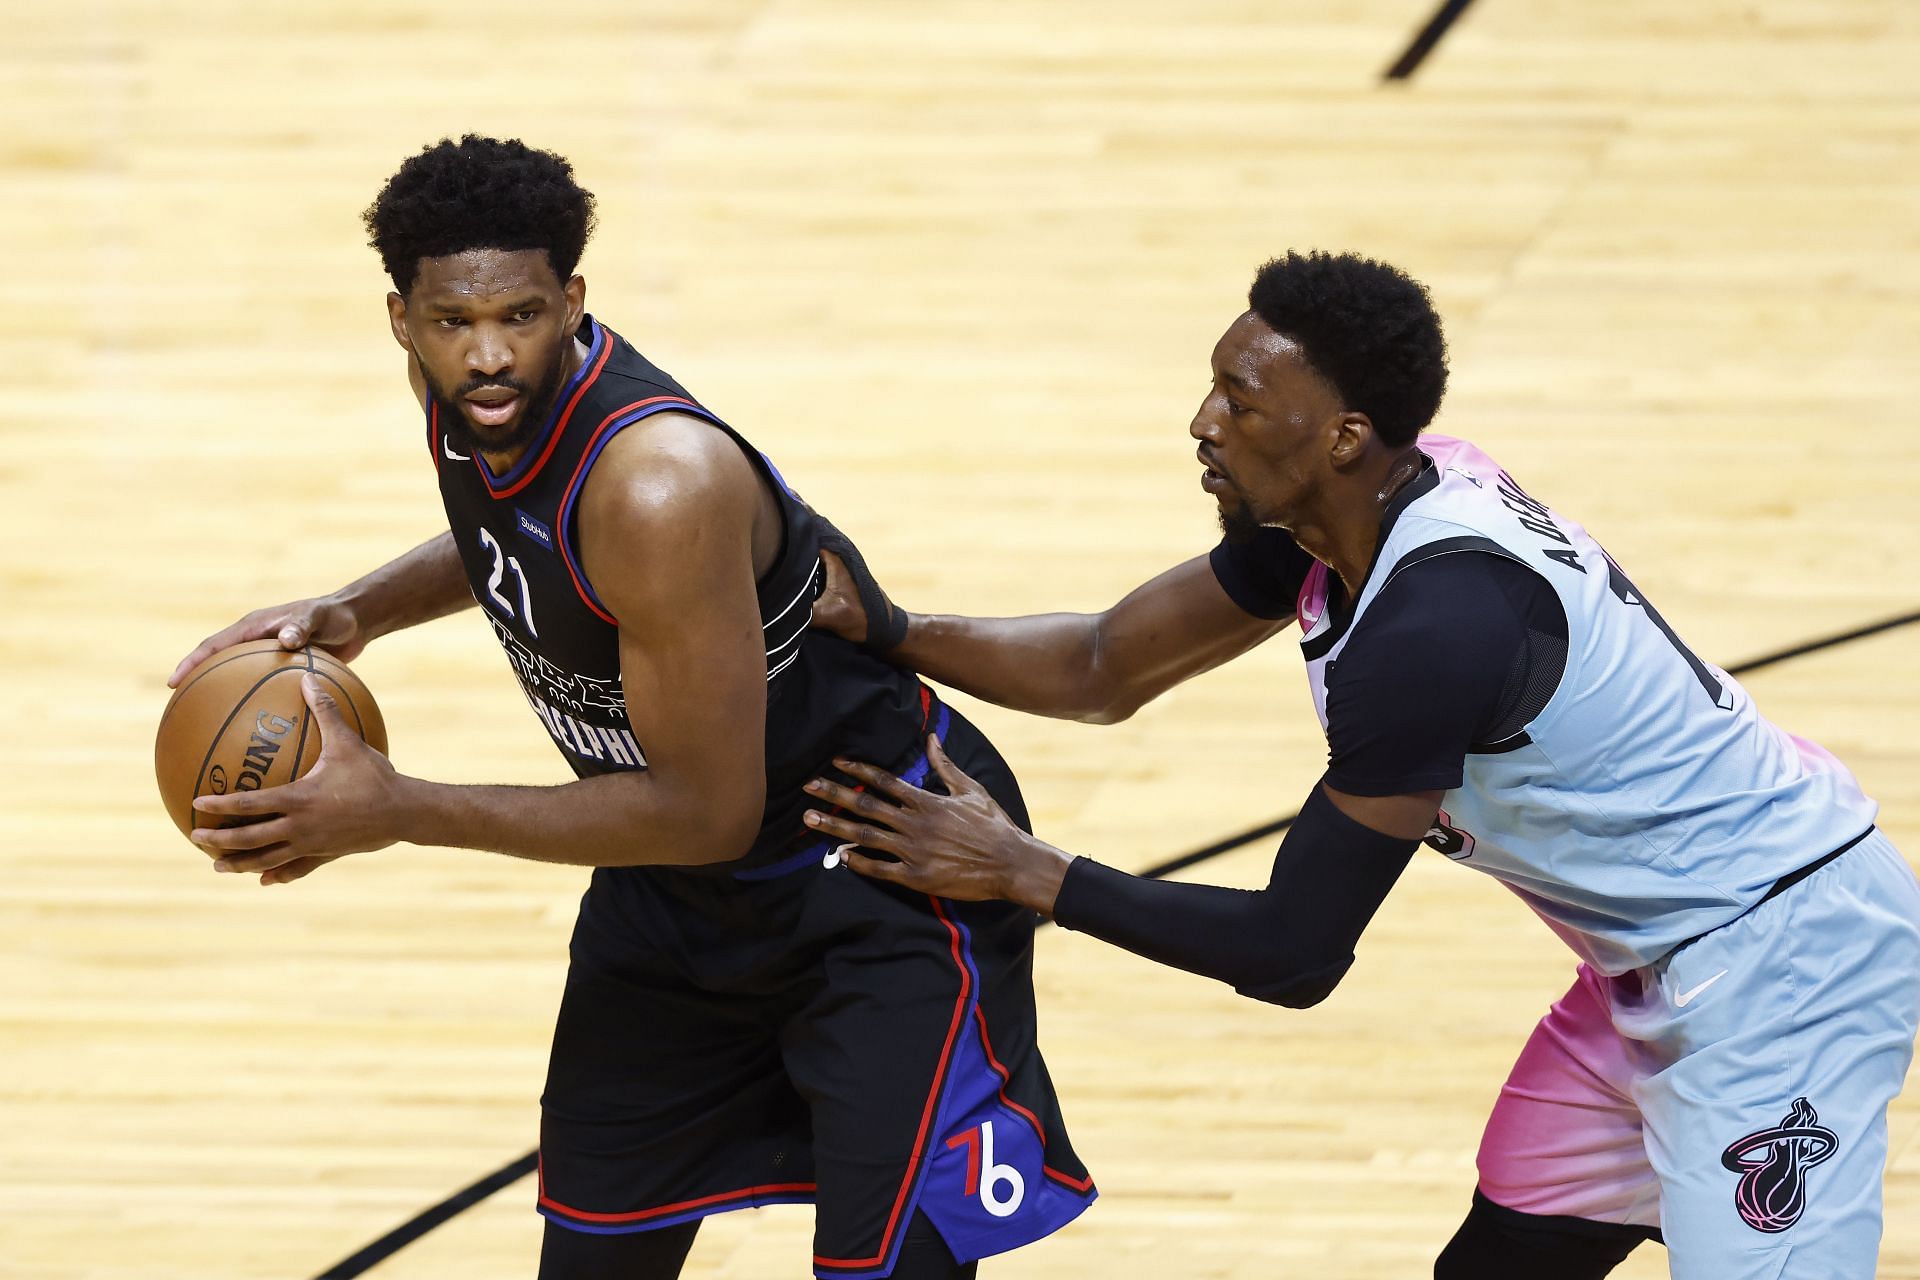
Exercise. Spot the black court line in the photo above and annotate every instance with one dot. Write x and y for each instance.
(405, 1234)
(1444, 17)
(1162, 869)
(1815, 646)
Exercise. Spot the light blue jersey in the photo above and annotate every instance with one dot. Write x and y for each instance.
(1649, 801)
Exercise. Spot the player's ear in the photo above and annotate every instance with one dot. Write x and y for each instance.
(576, 291)
(1352, 433)
(397, 319)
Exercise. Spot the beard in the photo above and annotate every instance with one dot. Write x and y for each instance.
(535, 404)
(1238, 523)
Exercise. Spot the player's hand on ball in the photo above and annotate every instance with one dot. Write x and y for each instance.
(346, 804)
(323, 623)
(960, 845)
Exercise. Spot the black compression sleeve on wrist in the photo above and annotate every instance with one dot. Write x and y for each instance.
(886, 625)
(1289, 943)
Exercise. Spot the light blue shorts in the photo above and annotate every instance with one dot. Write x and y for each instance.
(1733, 1095)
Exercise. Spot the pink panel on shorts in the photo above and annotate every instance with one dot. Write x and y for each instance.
(1565, 1138)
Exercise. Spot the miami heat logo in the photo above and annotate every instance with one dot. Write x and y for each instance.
(1773, 1165)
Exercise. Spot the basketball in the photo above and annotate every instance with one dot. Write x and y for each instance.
(238, 722)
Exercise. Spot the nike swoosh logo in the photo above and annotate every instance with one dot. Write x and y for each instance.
(1686, 998)
(451, 455)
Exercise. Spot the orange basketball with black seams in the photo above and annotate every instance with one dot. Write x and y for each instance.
(238, 722)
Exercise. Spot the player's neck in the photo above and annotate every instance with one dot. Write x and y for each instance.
(1344, 545)
(1343, 531)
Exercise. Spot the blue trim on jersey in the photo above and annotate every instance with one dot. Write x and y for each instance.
(537, 448)
(916, 776)
(813, 853)
(775, 473)
(585, 469)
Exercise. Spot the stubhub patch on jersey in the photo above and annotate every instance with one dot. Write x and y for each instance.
(533, 528)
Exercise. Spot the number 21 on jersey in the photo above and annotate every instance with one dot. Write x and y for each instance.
(502, 562)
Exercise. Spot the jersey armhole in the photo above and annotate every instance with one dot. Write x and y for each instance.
(611, 426)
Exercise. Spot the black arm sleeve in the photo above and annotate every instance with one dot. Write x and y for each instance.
(1289, 943)
(1454, 655)
(1263, 575)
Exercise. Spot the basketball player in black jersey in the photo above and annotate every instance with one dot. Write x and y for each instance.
(740, 1026)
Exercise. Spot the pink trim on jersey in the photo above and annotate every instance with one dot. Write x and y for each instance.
(1446, 451)
(1312, 603)
(1815, 757)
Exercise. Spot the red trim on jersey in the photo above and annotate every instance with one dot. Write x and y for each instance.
(548, 1202)
(553, 437)
(1006, 1078)
(933, 1099)
(1081, 1185)
(587, 455)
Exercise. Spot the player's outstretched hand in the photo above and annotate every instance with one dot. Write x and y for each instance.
(960, 845)
(324, 623)
(347, 804)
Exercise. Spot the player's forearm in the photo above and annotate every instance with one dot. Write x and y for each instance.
(1046, 664)
(1288, 944)
(427, 582)
(620, 820)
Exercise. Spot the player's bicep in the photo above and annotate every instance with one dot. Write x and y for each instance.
(1408, 817)
(1421, 678)
(694, 675)
(669, 552)
(1174, 627)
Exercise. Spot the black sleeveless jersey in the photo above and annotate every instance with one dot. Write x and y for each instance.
(519, 540)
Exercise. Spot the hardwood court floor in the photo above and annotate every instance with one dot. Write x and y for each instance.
(957, 265)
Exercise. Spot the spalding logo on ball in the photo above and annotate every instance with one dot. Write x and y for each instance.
(238, 722)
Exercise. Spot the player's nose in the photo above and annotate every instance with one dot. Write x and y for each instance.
(489, 353)
(1205, 426)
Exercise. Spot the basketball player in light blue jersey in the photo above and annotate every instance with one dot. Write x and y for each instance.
(1492, 683)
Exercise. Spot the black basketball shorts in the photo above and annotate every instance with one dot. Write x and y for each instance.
(801, 1033)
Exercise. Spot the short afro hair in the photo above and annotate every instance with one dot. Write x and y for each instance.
(479, 193)
(1367, 328)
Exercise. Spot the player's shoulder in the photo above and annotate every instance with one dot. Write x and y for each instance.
(1459, 610)
(670, 468)
(1453, 617)
(1454, 453)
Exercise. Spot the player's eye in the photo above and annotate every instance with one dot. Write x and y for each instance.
(522, 317)
(451, 322)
